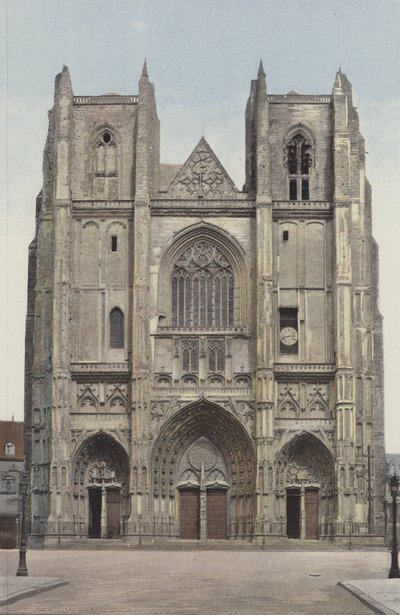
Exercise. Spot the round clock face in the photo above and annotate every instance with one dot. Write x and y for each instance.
(288, 336)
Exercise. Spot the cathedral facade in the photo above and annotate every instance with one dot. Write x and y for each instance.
(204, 362)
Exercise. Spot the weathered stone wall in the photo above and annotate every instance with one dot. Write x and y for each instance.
(316, 119)
(89, 122)
(107, 238)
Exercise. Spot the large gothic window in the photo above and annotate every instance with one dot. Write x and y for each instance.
(298, 159)
(202, 288)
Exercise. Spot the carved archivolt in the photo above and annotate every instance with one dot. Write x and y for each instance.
(305, 461)
(100, 459)
(203, 419)
(202, 464)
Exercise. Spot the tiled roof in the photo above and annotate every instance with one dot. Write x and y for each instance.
(12, 432)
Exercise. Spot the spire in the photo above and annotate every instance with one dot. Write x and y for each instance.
(261, 70)
(338, 79)
(144, 70)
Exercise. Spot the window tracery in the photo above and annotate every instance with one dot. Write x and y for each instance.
(202, 288)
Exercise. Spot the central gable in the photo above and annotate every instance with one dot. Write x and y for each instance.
(202, 176)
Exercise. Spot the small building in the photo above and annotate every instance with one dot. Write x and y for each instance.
(11, 470)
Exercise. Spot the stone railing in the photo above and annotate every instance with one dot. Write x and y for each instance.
(305, 368)
(231, 331)
(106, 99)
(300, 98)
(85, 367)
(294, 205)
(161, 391)
(91, 204)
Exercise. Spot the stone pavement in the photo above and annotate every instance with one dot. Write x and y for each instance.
(381, 594)
(160, 582)
(16, 588)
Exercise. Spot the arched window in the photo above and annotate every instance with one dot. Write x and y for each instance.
(116, 328)
(298, 159)
(202, 288)
(9, 449)
(105, 182)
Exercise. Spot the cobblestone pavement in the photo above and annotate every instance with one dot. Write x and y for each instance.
(141, 582)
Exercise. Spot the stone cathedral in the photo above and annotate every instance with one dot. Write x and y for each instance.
(204, 362)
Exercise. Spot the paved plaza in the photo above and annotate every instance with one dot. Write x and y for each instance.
(152, 582)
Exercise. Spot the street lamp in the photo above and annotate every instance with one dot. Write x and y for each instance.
(23, 490)
(394, 572)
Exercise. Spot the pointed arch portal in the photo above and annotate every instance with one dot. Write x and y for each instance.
(203, 472)
(305, 486)
(100, 486)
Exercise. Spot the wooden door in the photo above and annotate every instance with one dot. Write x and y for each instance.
(95, 512)
(113, 512)
(8, 532)
(216, 513)
(311, 512)
(189, 525)
(293, 513)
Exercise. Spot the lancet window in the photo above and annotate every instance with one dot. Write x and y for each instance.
(216, 355)
(190, 355)
(202, 288)
(116, 328)
(299, 160)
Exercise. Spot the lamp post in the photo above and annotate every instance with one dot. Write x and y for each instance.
(394, 572)
(23, 490)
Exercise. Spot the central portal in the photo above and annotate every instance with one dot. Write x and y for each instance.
(203, 474)
(193, 523)
(203, 488)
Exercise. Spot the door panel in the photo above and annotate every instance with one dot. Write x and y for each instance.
(95, 513)
(189, 513)
(8, 532)
(311, 510)
(293, 513)
(216, 513)
(113, 512)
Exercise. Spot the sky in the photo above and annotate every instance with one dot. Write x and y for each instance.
(201, 57)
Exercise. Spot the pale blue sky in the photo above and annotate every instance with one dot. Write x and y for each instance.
(201, 58)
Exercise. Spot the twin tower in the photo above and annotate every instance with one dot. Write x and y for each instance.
(204, 362)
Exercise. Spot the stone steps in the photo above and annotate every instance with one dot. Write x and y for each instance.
(284, 544)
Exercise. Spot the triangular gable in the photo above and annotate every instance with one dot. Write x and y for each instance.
(202, 175)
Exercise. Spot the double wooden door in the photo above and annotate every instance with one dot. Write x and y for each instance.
(216, 514)
(294, 527)
(112, 502)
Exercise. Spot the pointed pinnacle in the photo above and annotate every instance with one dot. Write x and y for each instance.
(261, 70)
(338, 79)
(144, 70)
